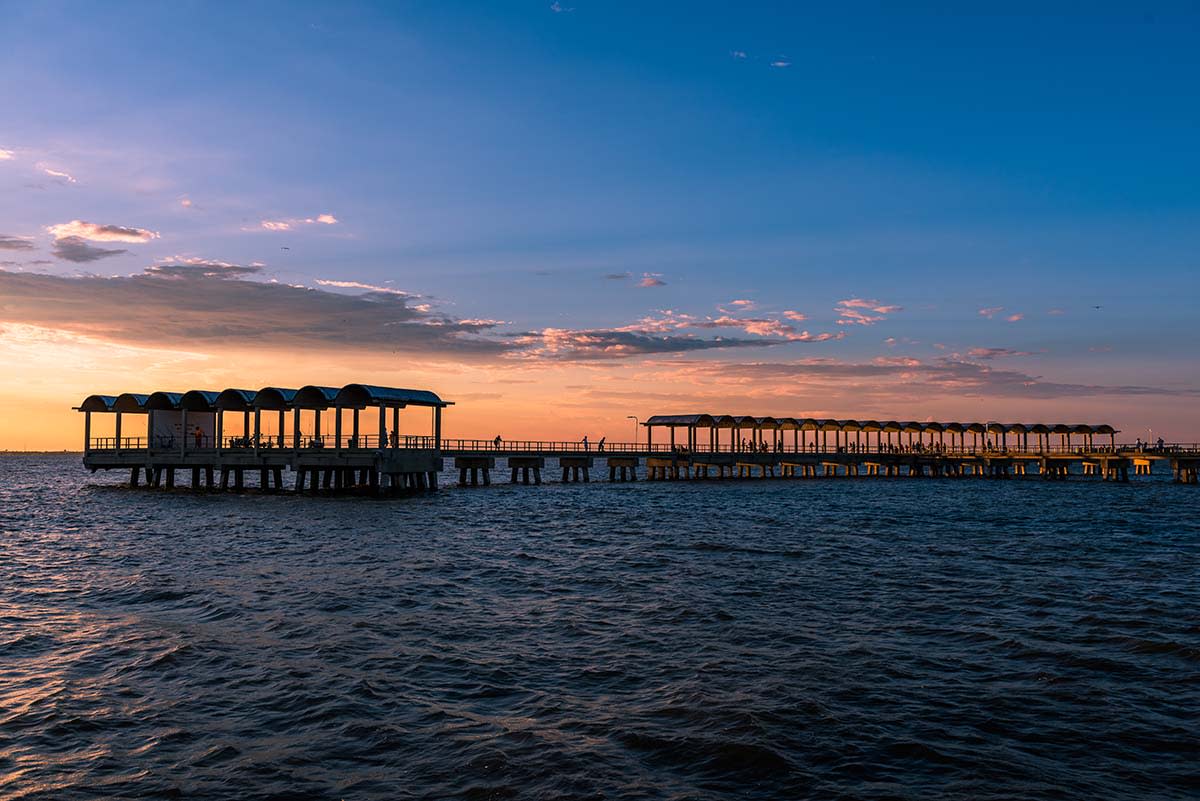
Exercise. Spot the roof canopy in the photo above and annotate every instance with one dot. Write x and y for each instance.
(350, 396)
(890, 426)
(360, 395)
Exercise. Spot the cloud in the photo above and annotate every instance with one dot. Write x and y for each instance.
(360, 285)
(289, 224)
(196, 305)
(76, 249)
(559, 8)
(740, 55)
(651, 279)
(15, 242)
(5, 155)
(596, 344)
(618, 276)
(781, 63)
(194, 269)
(63, 177)
(1012, 318)
(186, 202)
(101, 233)
(1056, 312)
(795, 315)
(990, 311)
(986, 354)
(887, 381)
(743, 305)
(860, 311)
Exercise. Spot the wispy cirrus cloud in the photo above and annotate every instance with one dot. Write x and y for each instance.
(101, 233)
(987, 354)
(291, 223)
(336, 284)
(60, 175)
(16, 242)
(861, 311)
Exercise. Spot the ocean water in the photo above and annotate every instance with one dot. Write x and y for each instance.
(921, 639)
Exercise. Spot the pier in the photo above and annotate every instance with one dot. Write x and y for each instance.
(375, 440)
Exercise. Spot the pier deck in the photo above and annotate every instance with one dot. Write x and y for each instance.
(288, 431)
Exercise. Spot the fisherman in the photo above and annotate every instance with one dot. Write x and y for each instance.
(199, 436)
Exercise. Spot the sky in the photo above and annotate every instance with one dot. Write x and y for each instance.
(562, 214)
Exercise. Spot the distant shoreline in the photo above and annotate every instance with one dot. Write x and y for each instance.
(35, 453)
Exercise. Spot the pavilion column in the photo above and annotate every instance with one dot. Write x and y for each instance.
(317, 424)
(396, 425)
(354, 432)
(183, 440)
(257, 428)
(281, 423)
(382, 426)
(649, 438)
(672, 430)
(220, 429)
(118, 432)
(437, 427)
(245, 426)
(337, 429)
(87, 433)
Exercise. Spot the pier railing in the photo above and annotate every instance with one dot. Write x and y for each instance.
(502, 447)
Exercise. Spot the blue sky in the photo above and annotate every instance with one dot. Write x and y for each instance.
(500, 159)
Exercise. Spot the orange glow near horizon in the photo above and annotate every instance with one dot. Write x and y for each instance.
(50, 371)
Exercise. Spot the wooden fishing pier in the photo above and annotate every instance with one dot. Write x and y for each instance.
(329, 439)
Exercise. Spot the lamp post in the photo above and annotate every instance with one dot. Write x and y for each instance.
(636, 423)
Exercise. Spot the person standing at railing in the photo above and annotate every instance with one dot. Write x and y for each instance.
(600, 446)
(496, 442)
(585, 442)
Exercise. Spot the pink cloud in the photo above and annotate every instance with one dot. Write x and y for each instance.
(100, 233)
(795, 315)
(1012, 318)
(651, 279)
(860, 311)
(990, 311)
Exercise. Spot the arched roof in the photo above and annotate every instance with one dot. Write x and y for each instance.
(724, 421)
(869, 425)
(766, 422)
(235, 400)
(679, 420)
(198, 400)
(314, 397)
(163, 401)
(360, 395)
(1105, 428)
(274, 398)
(130, 402)
(97, 403)
(953, 428)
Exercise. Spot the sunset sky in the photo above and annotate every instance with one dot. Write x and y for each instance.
(558, 215)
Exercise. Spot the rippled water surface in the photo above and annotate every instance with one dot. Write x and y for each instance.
(836, 638)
